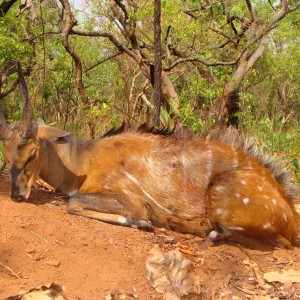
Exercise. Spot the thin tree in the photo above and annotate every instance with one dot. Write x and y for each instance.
(157, 63)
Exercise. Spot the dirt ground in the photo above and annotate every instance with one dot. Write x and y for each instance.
(40, 243)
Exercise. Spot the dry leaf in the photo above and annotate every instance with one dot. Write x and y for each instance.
(283, 257)
(264, 298)
(244, 290)
(186, 251)
(256, 269)
(51, 291)
(227, 280)
(172, 274)
(226, 295)
(284, 276)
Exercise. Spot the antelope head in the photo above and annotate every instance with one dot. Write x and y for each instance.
(24, 146)
(20, 147)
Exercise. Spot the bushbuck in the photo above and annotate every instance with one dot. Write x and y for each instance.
(220, 187)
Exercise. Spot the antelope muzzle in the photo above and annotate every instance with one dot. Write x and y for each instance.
(19, 188)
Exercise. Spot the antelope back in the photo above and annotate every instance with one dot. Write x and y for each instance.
(195, 185)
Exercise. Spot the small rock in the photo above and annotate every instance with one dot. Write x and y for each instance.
(169, 240)
(53, 263)
(31, 250)
(51, 205)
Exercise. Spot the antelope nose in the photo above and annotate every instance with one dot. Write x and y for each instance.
(15, 196)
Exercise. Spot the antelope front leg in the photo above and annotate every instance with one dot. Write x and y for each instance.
(106, 209)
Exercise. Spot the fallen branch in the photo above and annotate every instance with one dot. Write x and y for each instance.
(10, 270)
(38, 236)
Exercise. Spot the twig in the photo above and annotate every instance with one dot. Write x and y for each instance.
(102, 61)
(10, 270)
(39, 236)
(202, 61)
(244, 290)
(250, 258)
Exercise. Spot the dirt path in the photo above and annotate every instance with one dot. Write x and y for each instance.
(41, 243)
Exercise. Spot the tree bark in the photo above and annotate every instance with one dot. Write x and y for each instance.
(5, 7)
(68, 23)
(226, 104)
(170, 96)
(157, 63)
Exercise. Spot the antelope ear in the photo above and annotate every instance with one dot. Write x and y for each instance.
(55, 135)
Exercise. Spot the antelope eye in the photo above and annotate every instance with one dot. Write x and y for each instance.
(32, 157)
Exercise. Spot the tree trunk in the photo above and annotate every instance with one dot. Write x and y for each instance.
(68, 23)
(157, 63)
(227, 104)
(5, 6)
(170, 96)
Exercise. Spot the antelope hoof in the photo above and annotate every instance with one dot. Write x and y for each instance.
(215, 236)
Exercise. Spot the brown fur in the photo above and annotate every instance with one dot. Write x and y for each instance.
(220, 186)
(140, 179)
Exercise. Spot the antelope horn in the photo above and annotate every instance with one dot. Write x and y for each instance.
(4, 131)
(26, 121)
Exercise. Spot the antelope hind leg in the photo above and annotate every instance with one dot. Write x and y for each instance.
(247, 206)
(106, 209)
(279, 242)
